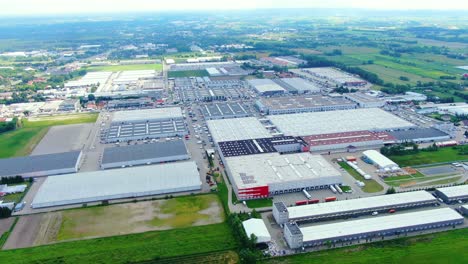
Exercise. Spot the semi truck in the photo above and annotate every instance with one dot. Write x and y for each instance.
(330, 199)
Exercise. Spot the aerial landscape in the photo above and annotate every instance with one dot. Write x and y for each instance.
(233, 132)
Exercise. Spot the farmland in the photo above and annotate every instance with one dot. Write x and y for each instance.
(22, 141)
(130, 67)
(446, 247)
(156, 245)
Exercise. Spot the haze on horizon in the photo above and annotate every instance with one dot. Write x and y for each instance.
(60, 7)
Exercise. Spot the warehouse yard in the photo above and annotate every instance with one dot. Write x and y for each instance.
(119, 219)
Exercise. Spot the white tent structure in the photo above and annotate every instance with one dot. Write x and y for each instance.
(258, 228)
(380, 160)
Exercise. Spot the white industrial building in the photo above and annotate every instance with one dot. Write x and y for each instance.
(372, 119)
(364, 100)
(90, 79)
(368, 205)
(265, 175)
(265, 87)
(106, 185)
(132, 77)
(237, 129)
(258, 228)
(144, 115)
(376, 227)
(298, 85)
(454, 193)
(380, 161)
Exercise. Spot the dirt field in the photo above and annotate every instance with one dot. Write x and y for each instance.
(5, 224)
(58, 139)
(116, 219)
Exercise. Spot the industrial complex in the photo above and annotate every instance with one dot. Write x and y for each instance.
(237, 129)
(454, 193)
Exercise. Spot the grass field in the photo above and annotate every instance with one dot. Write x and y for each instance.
(446, 247)
(130, 218)
(156, 246)
(421, 181)
(193, 73)
(226, 257)
(448, 154)
(371, 185)
(259, 203)
(22, 141)
(132, 67)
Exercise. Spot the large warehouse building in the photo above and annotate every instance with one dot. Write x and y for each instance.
(419, 135)
(96, 186)
(146, 124)
(264, 175)
(362, 229)
(237, 129)
(261, 146)
(348, 140)
(141, 154)
(266, 87)
(372, 119)
(454, 193)
(364, 100)
(41, 165)
(298, 85)
(283, 214)
(302, 104)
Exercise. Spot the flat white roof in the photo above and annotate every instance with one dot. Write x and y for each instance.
(343, 206)
(265, 85)
(264, 169)
(315, 123)
(379, 159)
(258, 228)
(147, 114)
(454, 191)
(301, 84)
(237, 129)
(119, 183)
(375, 224)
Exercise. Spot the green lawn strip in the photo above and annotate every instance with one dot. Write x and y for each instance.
(371, 185)
(397, 183)
(130, 248)
(446, 247)
(260, 203)
(444, 181)
(61, 120)
(191, 73)
(129, 67)
(448, 154)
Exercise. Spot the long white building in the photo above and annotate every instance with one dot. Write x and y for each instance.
(380, 160)
(375, 227)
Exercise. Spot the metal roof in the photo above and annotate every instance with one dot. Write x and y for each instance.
(38, 163)
(237, 129)
(265, 85)
(255, 146)
(344, 206)
(376, 224)
(299, 84)
(454, 191)
(147, 114)
(379, 159)
(373, 119)
(144, 151)
(117, 183)
(223, 110)
(258, 228)
(418, 133)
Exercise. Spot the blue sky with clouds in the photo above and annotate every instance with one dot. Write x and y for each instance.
(38, 7)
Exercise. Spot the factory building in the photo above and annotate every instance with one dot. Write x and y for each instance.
(419, 135)
(298, 85)
(348, 141)
(330, 77)
(266, 87)
(237, 129)
(86, 187)
(353, 207)
(265, 175)
(372, 119)
(142, 154)
(225, 110)
(40, 165)
(302, 104)
(261, 146)
(364, 100)
(146, 124)
(363, 229)
(454, 193)
(69, 105)
(129, 103)
(380, 161)
(464, 209)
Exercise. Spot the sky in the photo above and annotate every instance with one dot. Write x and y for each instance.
(60, 7)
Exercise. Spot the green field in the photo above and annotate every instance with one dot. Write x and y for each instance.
(371, 185)
(22, 141)
(448, 154)
(157, 245)
(130, 67)
(447, 247)
(259, 203)
(227, 257)
(127, 218)
(193, 73)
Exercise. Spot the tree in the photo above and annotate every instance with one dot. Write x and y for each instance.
(391, 190)
(91, 97)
